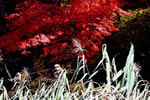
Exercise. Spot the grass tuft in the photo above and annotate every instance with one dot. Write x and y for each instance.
(124, 84)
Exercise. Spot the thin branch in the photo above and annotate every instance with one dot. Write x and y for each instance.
(8, 72)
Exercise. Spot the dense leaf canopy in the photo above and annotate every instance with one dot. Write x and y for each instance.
(53, 28)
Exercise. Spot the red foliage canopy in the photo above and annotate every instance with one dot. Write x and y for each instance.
(55, 27)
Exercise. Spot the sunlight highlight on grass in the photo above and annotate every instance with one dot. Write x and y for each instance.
(124, 84)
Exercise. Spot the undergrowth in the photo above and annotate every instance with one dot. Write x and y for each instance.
(125, 84)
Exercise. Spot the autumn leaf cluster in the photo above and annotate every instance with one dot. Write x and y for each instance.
(53, 28)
